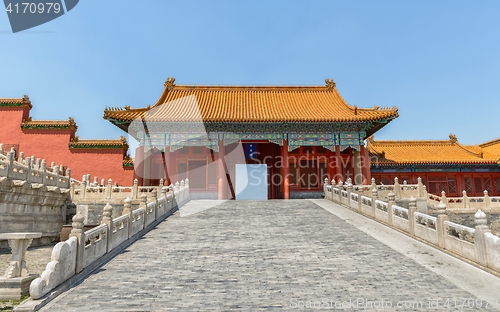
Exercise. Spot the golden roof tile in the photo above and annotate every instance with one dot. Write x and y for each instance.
(24, 101)
(77, 143)
(428, 152)
(49, 124)
(492, 147)
(185, 103)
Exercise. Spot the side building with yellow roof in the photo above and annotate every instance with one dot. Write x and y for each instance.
(443, 165)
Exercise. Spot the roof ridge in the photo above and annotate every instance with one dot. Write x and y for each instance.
(490, 143)
(469, 151)
(411, 142)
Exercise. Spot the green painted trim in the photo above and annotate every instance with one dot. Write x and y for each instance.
(36, 127)
(82, 146)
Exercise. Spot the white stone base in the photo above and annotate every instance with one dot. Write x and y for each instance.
(15, 288)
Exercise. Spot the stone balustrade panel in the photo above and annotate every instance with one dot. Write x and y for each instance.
(366, 205)
(459, 239)
(381, 211)
(425, 227)
(120, 231)
(95, 244)
(150, 214)
(354, 201)
(400, 218)
(137, 220)
(343, 198)
(492, 243)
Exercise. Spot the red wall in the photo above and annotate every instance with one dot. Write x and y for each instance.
(52, 145)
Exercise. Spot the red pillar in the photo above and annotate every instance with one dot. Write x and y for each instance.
(286, 170)
(221, 173)
(166, 165)
(331, 169)
(338, 164)
(366, 165)
(172, 168)
(139, 165)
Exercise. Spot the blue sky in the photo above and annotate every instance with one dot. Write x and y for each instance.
(438, 61)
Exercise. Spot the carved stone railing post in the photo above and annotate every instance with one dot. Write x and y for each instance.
(144, 204)
(43, 168)
(96, 182)
(164, 195)
(109, 189)
(349, 191)
(373, 185)
(106, 219)
(56, 172)
(397, 188)
(181, 191)
(171, 191)
(127, 210)
(412, 207)
(325, 183)
(487, 200)
(83, 189)
(479, 239)
(154, 195)
(135, 189)
(72, 190)
(68, 174)
(77, 231)
(1, 148)
(465, 199)
(28, 171)
(187, 188)
(424, 190)
(440, 210)
(10, 159)
(392, 201)
(160, 185)
(443, 197)
(21, 157)
(374, 199)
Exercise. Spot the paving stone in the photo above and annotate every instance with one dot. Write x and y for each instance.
(254, 255)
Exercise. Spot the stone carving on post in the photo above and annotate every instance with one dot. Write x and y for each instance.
(171, 191)
(164, 195)
(374, 199)
(127, 210)
(154, 196)
(106, 219)
(349, 191)
(144, 201)
(392, 201)
(397, 188)
(465, 199)
(440, 210)
(443, 197)
(109, 189)
(487, 200)
(135, 189)
(412, 204)
(479, 237)
(77, 231)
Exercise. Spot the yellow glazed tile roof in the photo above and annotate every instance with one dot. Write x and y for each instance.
(77, 143)
(428, 152)
(251, 104)
(24, 101)
(49, 124)
(492, 147)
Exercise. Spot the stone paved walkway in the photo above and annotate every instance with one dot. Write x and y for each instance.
(249, 255)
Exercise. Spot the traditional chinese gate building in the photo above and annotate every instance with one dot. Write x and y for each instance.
(303, 134)
(443, 165)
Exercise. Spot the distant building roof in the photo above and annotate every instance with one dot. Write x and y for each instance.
(24, 101)
(429, 152)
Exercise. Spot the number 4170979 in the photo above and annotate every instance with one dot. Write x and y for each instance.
(33, 8)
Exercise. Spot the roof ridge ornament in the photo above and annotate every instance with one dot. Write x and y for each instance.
(169, 83)
(330, 84)
(453, 139)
